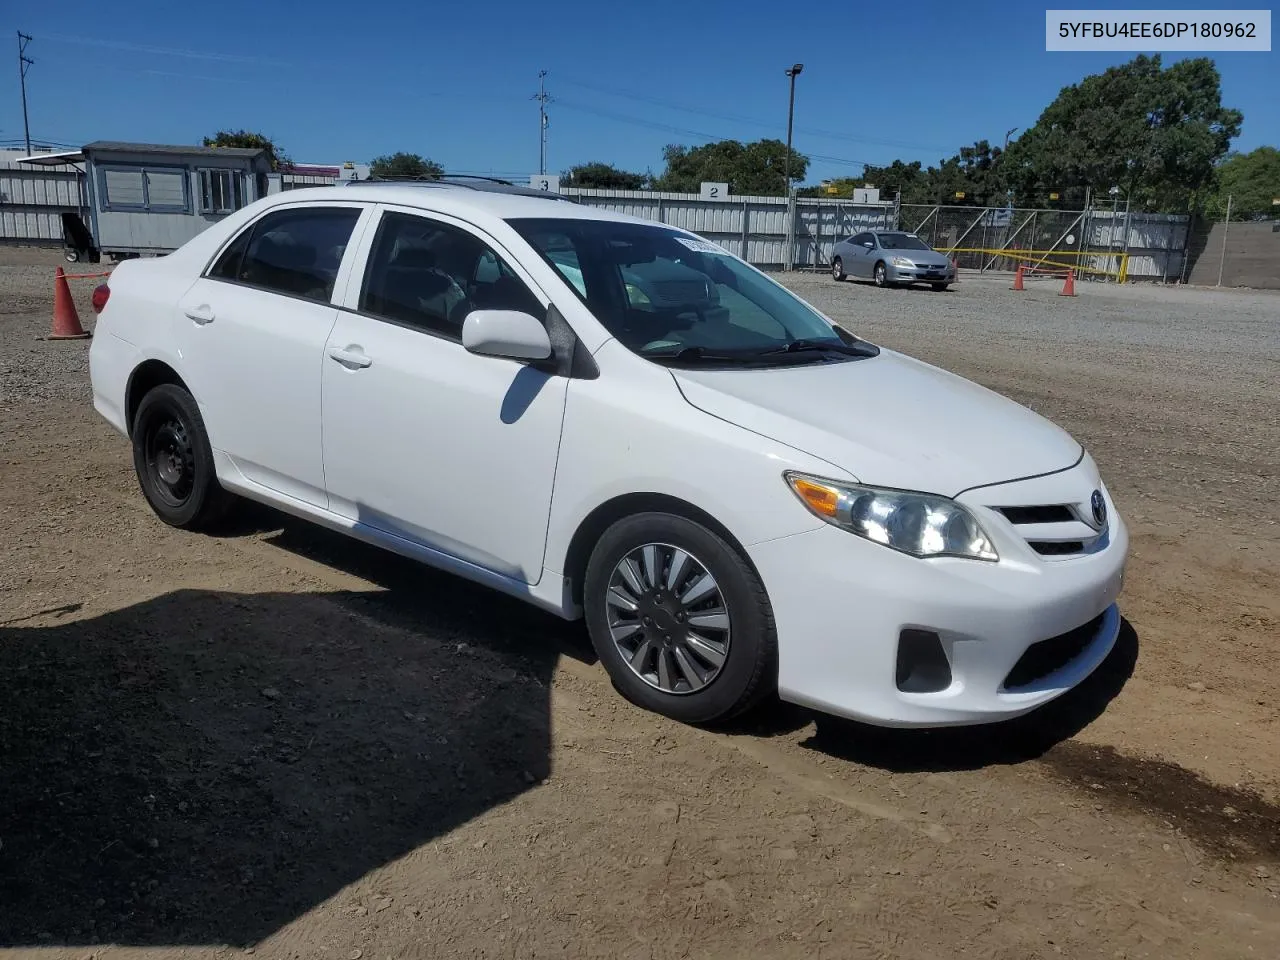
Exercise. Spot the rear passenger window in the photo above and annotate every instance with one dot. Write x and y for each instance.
(430, 276)
(228, 265)
(295, 252)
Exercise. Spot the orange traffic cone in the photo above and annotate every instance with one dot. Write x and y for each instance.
(66, 322)
(1017, 279)
(1069, 288)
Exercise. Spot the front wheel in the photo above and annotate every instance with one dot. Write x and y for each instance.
(174, 462)
(881, 275)
(837, 270)
(679, 619)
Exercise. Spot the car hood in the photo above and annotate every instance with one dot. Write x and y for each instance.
(889, 420)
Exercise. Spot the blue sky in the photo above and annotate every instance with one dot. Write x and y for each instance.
(340, 81)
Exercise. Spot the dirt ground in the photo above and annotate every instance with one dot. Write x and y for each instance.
(279, 742)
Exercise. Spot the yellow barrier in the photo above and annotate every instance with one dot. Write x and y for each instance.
(1042, 257)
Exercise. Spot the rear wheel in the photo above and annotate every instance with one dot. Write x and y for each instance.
(837, 269)
(679, 619)
(174, 462)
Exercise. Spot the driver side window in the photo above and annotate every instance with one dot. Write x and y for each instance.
(429, 276)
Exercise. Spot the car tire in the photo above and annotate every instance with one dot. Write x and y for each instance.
(174, 461)
(940, 287)
(881, 274)
(837, 270)
(732, 650)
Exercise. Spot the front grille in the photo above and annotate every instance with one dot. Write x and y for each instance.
(1057, 548)
(1048, 656)
(1053, 530)
(1056, 513)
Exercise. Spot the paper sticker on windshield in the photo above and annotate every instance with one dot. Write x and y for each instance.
(702, 246)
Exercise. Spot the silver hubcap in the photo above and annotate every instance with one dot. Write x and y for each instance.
(880, 274)
(668, 618)
(835, 269)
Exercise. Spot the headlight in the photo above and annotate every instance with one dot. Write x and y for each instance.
(901, 262)
(921, 524)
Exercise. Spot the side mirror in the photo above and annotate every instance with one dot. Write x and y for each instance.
(505, 333)
(868, 244)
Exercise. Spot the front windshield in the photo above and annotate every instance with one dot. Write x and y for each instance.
(666, 294)
(902, 241)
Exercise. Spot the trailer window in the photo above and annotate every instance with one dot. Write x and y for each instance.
(221, 191)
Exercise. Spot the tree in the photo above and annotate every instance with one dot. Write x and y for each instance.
(405, 166)
(251, 141)
(1155, 133)
(602, 176)
(1251, 180)
(752, 169)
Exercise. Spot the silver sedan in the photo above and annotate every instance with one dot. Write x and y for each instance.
(890, 258)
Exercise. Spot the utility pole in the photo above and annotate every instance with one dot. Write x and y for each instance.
(792, 72)
(1222, 259)
(23, 62)
(543, 99)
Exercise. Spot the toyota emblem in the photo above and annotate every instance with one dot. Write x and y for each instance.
(1099, 508)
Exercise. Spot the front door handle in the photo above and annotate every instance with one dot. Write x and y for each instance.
(353, 358)
(202, 314)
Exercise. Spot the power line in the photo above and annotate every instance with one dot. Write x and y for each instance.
(753, 121)
(161, 51)
(685, 131)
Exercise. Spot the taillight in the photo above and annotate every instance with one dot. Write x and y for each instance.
(100, 294)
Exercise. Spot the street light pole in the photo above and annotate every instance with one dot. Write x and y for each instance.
(792, 72)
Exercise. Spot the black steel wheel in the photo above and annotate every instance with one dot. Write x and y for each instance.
(174, 462)
(679, 619)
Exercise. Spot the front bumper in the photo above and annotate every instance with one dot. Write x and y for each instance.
(842, 604)
(896, 274)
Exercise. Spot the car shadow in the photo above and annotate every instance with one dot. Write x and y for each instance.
(412, 591)
(968, 748)
(205, 767)
(900, 288)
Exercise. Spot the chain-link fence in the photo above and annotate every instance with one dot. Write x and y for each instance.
(1101, 242)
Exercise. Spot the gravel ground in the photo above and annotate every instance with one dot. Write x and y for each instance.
(280, 740)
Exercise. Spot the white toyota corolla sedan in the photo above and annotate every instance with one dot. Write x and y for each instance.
(617, 420)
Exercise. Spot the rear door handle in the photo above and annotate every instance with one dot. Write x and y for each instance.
(353, 358)
(202, 314)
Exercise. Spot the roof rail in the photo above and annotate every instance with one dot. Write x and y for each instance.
(445, 177)
(484, 184)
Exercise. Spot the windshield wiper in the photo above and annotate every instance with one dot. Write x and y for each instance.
(701, 354)
(804, 345)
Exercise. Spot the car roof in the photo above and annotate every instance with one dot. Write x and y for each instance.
(470, 182)
(459, 200)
